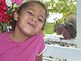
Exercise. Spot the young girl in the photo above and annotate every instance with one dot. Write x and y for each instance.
(26, 42)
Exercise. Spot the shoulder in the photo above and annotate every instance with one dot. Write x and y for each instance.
(3, 35)
(39, 36)
(38, 39)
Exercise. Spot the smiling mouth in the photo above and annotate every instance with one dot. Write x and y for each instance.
(31, 25)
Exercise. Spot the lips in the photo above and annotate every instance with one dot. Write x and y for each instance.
(30, 24)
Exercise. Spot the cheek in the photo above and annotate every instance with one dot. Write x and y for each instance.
(39, 27)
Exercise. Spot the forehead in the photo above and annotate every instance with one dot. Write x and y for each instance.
(37, 6)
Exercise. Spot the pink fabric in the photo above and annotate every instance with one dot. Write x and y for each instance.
(17, 1)
(22, 51)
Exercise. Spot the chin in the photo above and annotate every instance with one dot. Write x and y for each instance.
(30, 33)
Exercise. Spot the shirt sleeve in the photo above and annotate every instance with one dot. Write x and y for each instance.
(40, 45)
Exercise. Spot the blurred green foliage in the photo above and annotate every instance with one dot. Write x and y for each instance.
(49, 27)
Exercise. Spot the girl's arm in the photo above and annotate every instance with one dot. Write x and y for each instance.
(39, 58)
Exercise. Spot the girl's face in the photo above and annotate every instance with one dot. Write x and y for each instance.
(31, 19)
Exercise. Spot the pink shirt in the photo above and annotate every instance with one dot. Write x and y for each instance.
(20, 51)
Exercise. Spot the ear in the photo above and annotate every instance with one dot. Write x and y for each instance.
(15, 15)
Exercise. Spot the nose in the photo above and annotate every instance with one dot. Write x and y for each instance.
(35, 18)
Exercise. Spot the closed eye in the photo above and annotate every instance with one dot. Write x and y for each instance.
(40, 20)
(30, 13)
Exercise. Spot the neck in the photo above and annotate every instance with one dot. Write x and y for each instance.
(18, 37)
